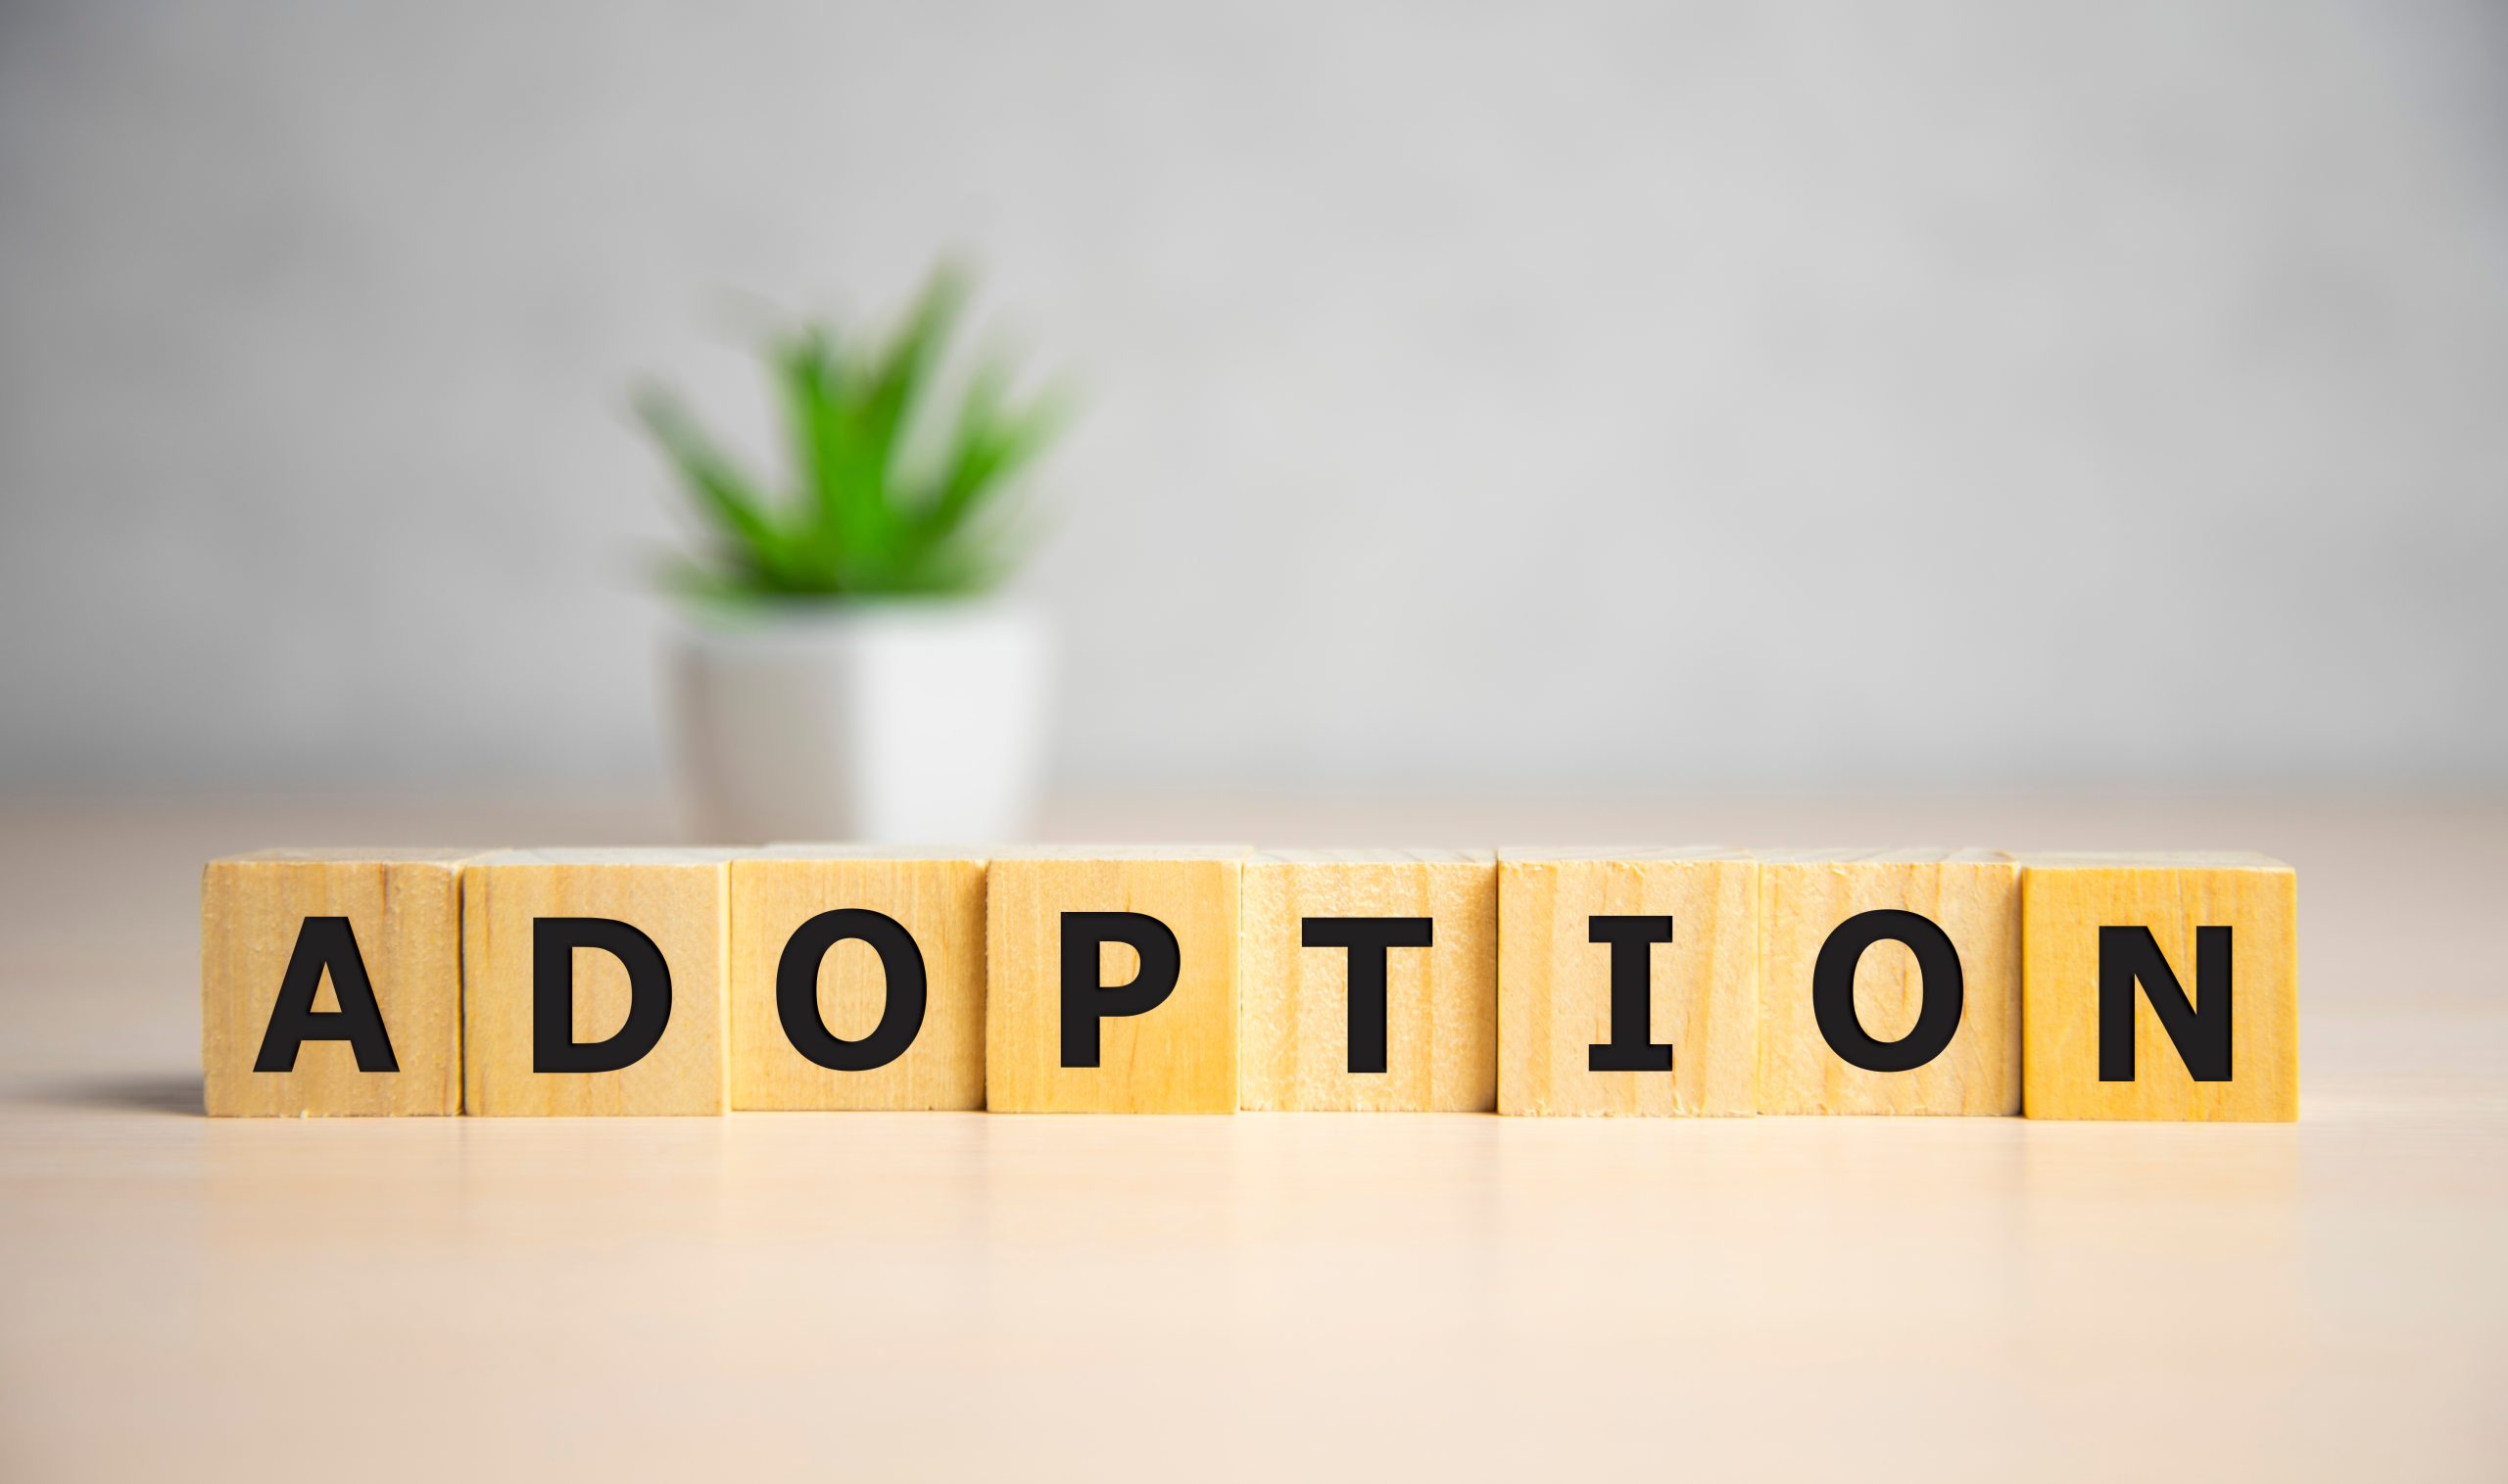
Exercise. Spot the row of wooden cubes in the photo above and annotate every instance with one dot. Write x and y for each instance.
(1525, 981)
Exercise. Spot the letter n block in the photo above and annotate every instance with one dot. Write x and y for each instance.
(594, 981)
(1111, 980)
(1627, 981)
(331, 982)
(1371, 982)
(857, 979)
(1918, 953)
(2160, 987)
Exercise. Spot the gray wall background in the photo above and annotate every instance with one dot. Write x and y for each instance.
(1573, 395)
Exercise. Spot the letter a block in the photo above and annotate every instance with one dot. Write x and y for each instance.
(857, 979)
(1111, 980)
(2159, 986)
(1627, 981)
(1889, 982)
(593, 981)
(331, 982)
(1371, 982)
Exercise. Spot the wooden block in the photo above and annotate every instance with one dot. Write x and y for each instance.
(604, 931)
(1146, 1023)
(2119, 950)
(1921, 949)
(364, 948)
(1325, 1025)
(1575, 924)
(896, 1003)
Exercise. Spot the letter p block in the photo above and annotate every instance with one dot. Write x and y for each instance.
(1111, 980)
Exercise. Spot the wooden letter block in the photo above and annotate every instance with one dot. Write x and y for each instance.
(1369, 981)
(1627, 981)
(330, 982)
(1889, 982)
(2162, 986)
(885, 949)
(593, 981)
(1111, 980)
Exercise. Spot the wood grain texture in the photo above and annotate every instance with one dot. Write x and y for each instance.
(1180, 1056)
(1440, 1001)
(681, 900)
(938, 898)
(1973, 897)
(1554, 982)
(405, 910)
(2066, 898)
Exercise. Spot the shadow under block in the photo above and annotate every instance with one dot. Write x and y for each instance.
(1177, 1055)
(1439, 1026)
(2131, 918)
(266, 913)
(1973, 897)
(646, 908)
(1555, 980)
(936, 899)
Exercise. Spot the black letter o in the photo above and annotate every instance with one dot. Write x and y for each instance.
(796, 990)
(1942, 986)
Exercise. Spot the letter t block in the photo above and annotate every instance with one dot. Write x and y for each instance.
(1371, 982)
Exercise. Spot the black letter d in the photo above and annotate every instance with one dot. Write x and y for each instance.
(554, 942)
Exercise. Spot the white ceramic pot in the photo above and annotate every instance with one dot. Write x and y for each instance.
(898, 721)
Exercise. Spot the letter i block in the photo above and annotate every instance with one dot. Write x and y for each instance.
(2159, 986)
(331, 982)
(1889, 982)
(857, 979)
(1111, 980)
(1371, 982)
(1627, 981)
(594, 981)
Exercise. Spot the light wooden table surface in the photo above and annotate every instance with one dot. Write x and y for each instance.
(899, 1296)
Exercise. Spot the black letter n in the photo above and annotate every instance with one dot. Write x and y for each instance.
(325, 943)
(2199, 1031)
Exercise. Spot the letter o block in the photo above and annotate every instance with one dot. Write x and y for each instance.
(1968, 901)
(1111, 980)
(935, 901)
(627, 912)
(340, 971)
(2159, 986)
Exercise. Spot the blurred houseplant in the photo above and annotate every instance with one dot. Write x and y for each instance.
(845, 672)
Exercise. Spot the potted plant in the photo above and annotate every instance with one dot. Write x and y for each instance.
(844, 671)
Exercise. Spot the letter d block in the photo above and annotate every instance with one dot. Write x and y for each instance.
(331, 982)
(1111, 980)
(1627, 981)
(2159, 986)
(594, 981)
(857, 979)
(1918, 953)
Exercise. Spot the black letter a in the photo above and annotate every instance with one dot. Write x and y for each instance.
(325, 943)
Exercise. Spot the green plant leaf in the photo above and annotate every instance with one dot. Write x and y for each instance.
(721, 488)
(858, 519)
